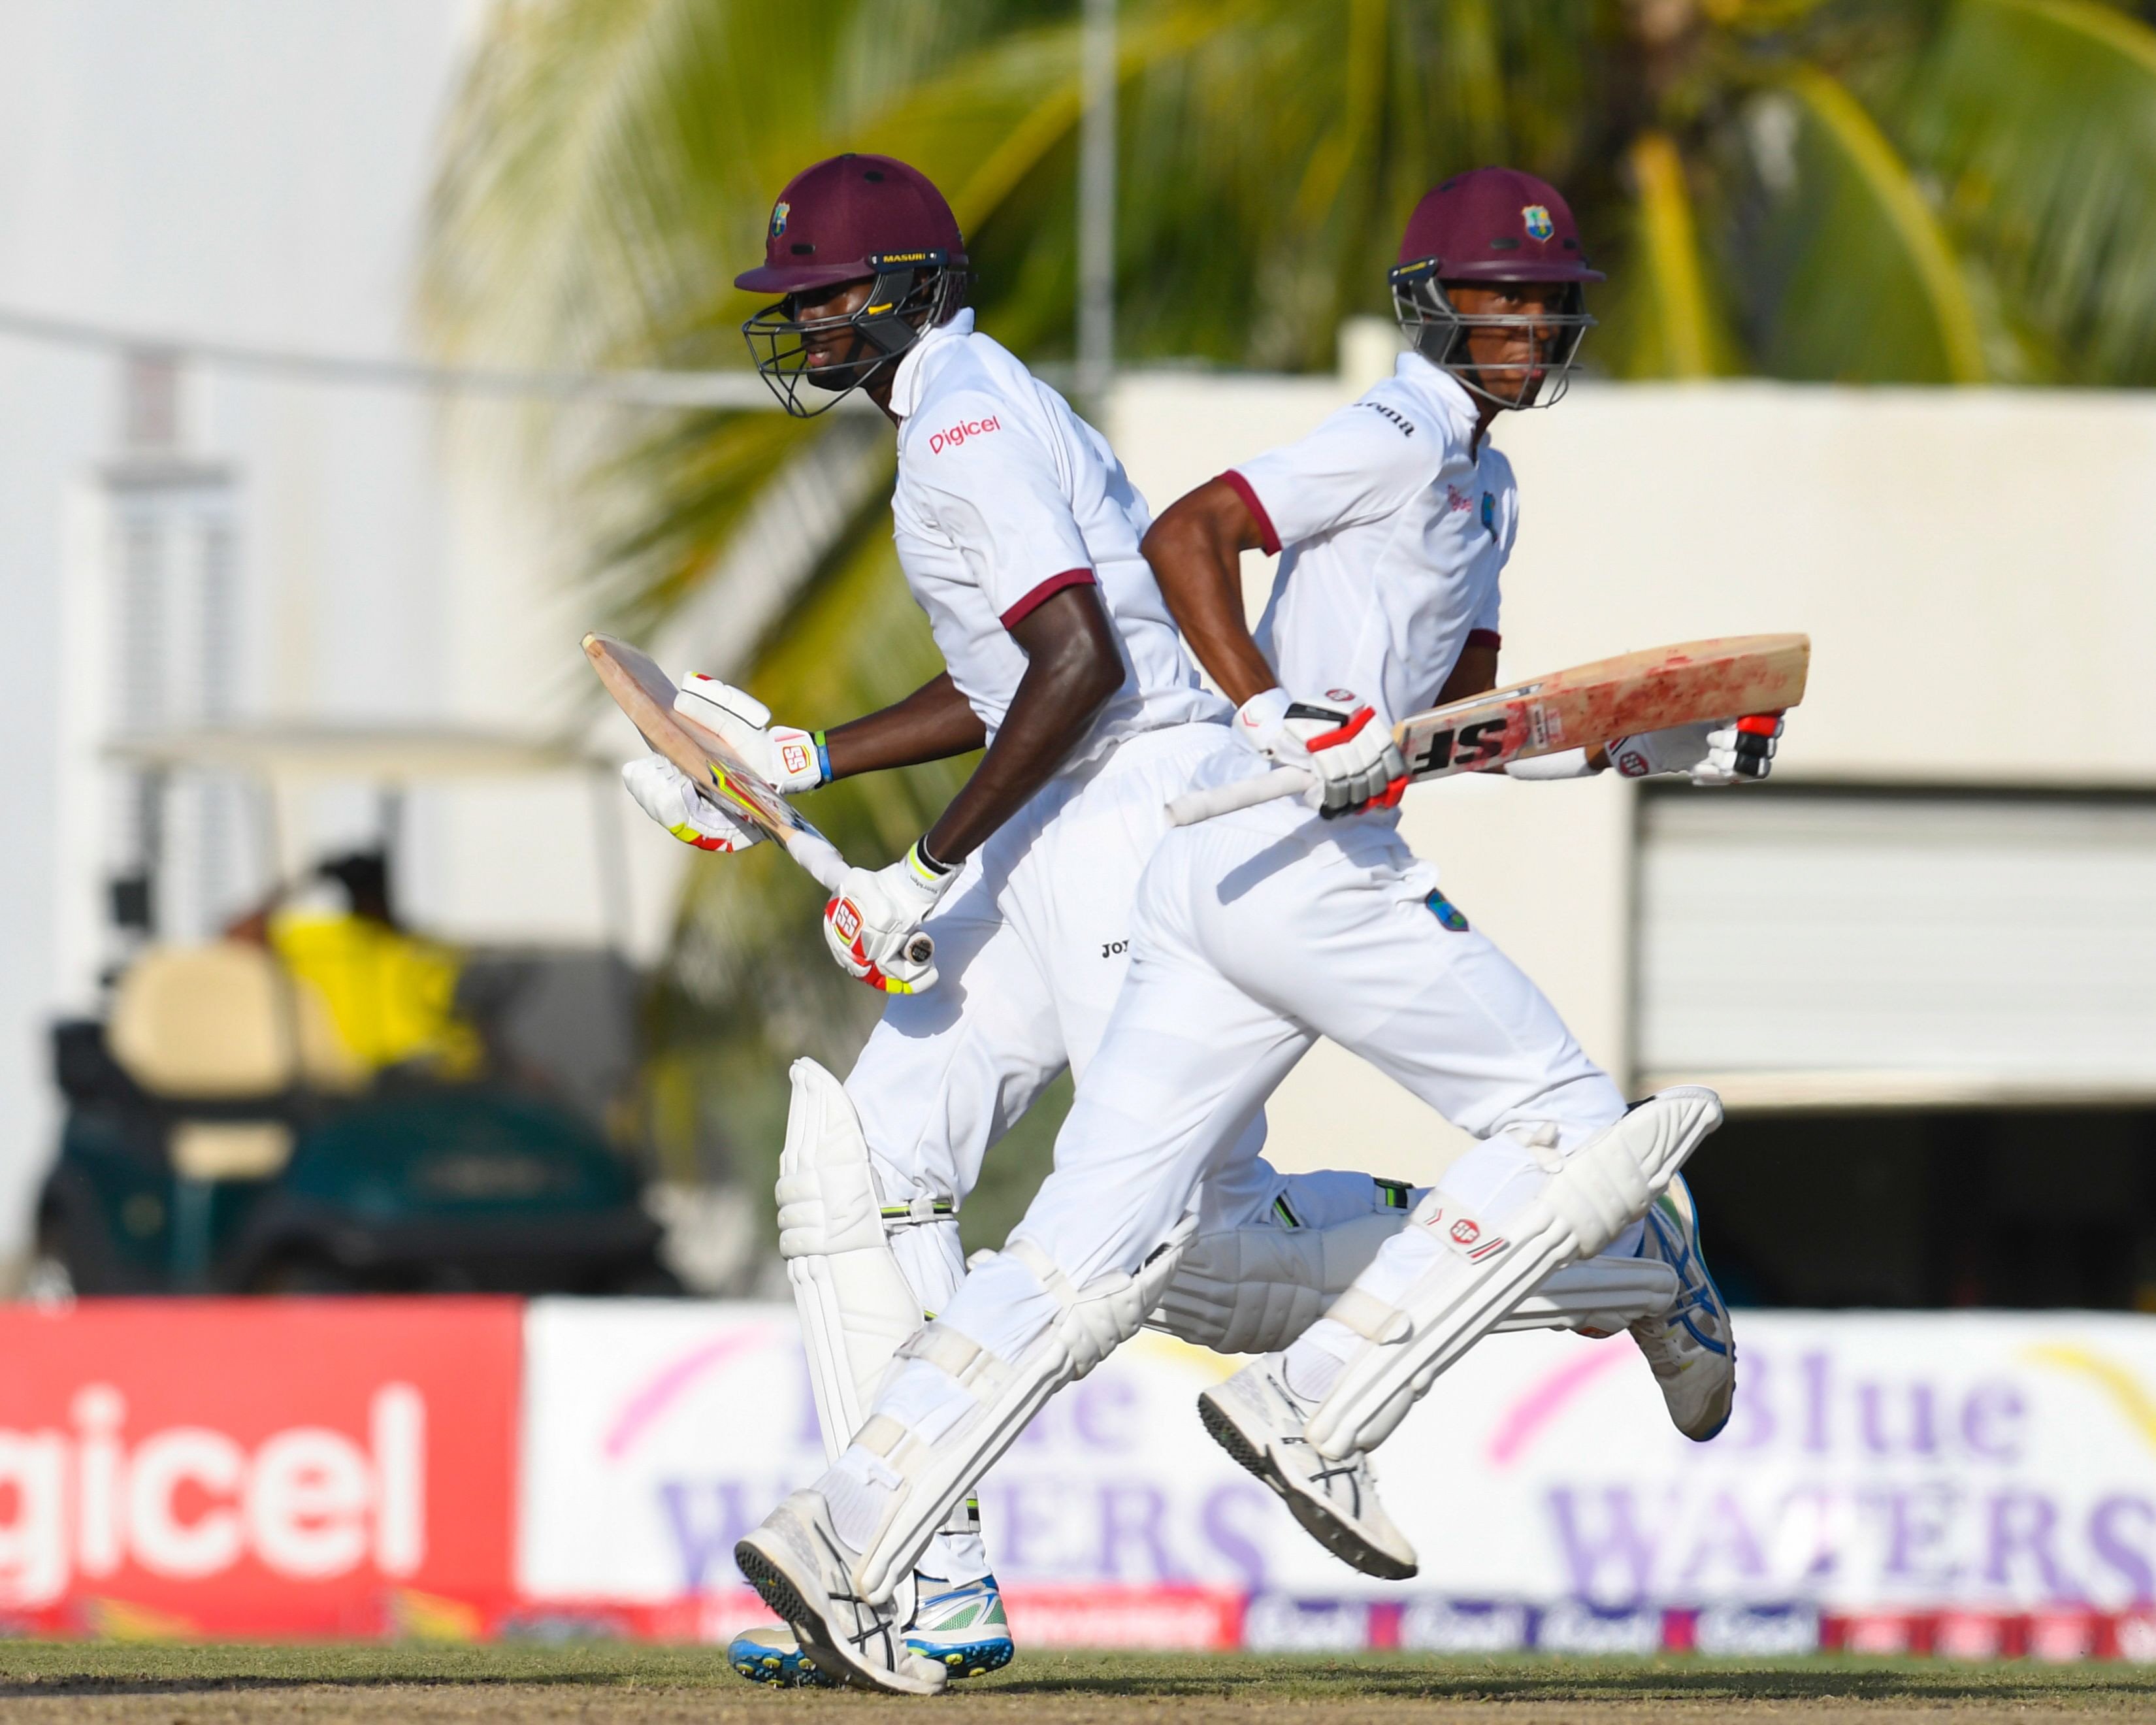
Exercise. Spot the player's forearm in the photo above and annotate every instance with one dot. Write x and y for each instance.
(1073, 666)
(931, 724)
(1196, 552)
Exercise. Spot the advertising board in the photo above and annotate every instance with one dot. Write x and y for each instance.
(257, 1466)
(1976, 1480)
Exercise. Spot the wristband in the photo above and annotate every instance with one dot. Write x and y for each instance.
(823, 756)
(1565, 764)
(924, 865)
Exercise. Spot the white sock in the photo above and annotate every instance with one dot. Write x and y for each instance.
(956, 1557)
(1315, 1359)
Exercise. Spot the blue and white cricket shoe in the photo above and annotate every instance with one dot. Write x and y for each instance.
(774, 1656)
(962, 1629)
(1691, 1346)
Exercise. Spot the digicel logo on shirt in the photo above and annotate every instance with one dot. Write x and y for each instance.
(950, 439)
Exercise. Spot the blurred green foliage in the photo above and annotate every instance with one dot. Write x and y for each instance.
(1904, 191)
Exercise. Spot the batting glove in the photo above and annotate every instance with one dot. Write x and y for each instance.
(1337, 738)
(664, 792)
(873, 927)
(786, 758)
(1719, 751)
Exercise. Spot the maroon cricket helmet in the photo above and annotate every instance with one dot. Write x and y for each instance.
(848, 219)
(1494, 224)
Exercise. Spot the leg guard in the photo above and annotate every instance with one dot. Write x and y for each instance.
(1480, 1275)
(856, 1305)
(1254, 1289)
(1091, 1323)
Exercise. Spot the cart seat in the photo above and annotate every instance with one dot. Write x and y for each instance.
(225, 1024)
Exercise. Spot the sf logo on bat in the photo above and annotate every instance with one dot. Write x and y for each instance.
(1464, 746)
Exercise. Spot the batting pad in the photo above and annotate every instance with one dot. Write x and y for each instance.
(856, 1306)
(1480, 1275)
(1254, 1289)
(1090, 1324)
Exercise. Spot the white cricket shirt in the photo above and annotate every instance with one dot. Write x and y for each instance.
(1391, 533)
(1005, 497)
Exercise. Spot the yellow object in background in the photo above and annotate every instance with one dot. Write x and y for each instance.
(391, 993)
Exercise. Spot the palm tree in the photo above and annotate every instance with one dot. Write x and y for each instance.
(1911, 191)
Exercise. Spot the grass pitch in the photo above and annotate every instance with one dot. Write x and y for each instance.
(598, 1684)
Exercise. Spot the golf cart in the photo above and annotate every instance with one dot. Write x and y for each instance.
(222, 1135)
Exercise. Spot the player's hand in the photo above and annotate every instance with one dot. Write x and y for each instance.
(873, 927)
(1338, 737)
(662, 791)
(1719, 752)
(784, 756)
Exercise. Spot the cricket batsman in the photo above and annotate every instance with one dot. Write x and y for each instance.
(1256, 933)
(1019, 534)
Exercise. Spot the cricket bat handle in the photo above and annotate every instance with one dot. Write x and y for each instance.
(819, 856)
(1195, 806)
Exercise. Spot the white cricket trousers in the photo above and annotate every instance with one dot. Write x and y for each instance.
(1252, 936)
(1032, 944)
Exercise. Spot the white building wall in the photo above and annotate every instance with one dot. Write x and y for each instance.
(255, 173)
(1974, 568)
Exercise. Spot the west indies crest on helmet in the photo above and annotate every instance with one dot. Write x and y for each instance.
(1488, 226)
(852, 218)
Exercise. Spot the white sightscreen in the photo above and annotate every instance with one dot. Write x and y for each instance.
(2004, 938)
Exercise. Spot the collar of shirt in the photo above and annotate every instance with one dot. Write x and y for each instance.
(906, 388)
(1443, 391)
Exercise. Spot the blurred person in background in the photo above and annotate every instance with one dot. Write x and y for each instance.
(391, 993)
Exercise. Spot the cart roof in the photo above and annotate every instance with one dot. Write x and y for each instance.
(382, 753)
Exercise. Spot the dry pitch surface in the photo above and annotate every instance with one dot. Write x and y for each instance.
(104, 1684)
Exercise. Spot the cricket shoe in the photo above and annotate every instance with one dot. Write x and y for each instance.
(962, 1629)
(1691, 1346)
(805, 1573)
(1258, 1420)
(774, 1656)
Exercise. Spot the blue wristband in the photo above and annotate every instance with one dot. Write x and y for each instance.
(823, 756)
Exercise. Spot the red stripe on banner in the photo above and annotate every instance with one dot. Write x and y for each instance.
(1166, 1619)
(1241, 487)
(1047, 590)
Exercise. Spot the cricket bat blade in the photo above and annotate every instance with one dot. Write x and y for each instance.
(1585, 707)
(645, 695)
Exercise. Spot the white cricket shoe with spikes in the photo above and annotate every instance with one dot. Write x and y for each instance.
(1691, 1346)
(804, 1572)
(961, 1628)
(1257, 1420)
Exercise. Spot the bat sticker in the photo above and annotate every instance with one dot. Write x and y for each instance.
(1483, 741)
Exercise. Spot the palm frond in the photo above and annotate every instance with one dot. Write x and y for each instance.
(1669, 324)
(2040, 116)
(1851, 273)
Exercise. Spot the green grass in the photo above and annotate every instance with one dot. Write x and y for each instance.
(90, 1683)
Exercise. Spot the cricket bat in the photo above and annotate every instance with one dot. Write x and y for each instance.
(1588, 706)
(645, 694)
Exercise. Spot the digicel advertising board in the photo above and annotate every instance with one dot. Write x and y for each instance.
(261, 1467)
